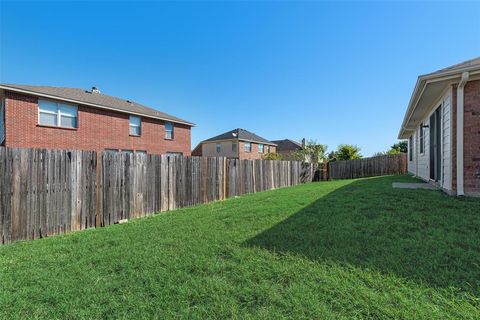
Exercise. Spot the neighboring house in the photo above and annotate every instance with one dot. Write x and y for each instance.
(287, 148)
(237, 143)
(68, 118)
(442, 125)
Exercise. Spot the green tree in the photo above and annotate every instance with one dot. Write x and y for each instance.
(271, 156)
(401, 146)
(312, 152)
(345, 152)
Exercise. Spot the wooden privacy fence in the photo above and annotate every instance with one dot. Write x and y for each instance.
(48, 192)
(368, 167)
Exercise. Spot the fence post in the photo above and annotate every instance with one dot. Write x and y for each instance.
(99, 191)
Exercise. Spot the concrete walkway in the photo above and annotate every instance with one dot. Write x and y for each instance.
(420, 185)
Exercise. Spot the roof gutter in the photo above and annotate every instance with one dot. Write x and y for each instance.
(237, 139)
(460, 124)
(43, 95)
(422, 83)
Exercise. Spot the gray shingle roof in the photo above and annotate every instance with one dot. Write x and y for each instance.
(241, 134)
(458, 66)
(97, 99)
(287, 145)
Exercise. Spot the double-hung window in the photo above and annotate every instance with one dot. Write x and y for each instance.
(218, 147)
(260, 148)
(234, 147)
(57, 114)
(135, 126)
(422, 139)
(247, 147)
(169, 130)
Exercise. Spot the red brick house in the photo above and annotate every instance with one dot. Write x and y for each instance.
(288, 148)
(442, 125)
(236, 144)
(69, 118)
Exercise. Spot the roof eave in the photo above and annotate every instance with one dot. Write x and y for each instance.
(239, 139)
(422, 81)
(92, 104)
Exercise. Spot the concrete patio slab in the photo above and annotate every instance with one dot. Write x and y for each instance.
(419, 185)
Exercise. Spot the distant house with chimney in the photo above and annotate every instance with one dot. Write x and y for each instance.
(237, 144)
(70, 118)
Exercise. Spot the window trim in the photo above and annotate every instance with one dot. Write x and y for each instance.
(172, 131)
(249, 144)
(58, 114)
(263, 148)
(130, 125)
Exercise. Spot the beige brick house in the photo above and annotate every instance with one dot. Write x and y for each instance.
(237, 144)
(442, 125)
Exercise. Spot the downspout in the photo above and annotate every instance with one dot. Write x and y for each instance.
(416, 151)
(460, 121)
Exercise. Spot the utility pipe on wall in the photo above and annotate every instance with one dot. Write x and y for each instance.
(460, 121)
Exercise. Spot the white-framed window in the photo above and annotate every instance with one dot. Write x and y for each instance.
(218, 147)
(260, 148)
(247, 147)
(234, 147)
(169, 130)
(57, 114)
(135, 126)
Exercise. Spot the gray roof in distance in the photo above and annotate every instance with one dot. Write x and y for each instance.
(287, 145)
(98, 99)
(458, 66)
(241, 134)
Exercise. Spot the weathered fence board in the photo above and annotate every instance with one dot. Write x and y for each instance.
(48, 192)
(368, 167)
(45, 192)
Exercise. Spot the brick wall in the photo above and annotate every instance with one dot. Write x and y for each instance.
(254, 154)
(97, 130)
(471, 138)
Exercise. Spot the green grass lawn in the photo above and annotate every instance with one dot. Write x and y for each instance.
(350, 249)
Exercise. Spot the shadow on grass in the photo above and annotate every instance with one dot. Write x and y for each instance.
(420, 235)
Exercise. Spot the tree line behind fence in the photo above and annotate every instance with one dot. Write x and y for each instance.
(48, 192)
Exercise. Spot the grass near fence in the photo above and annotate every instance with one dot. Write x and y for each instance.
(328, 250)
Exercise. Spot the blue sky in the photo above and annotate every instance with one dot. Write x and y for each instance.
(334, 72)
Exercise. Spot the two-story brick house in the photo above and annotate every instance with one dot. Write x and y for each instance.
(237, 143)
(70, 118)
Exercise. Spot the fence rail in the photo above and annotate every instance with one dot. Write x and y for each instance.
(48, 192)
(368, 167)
